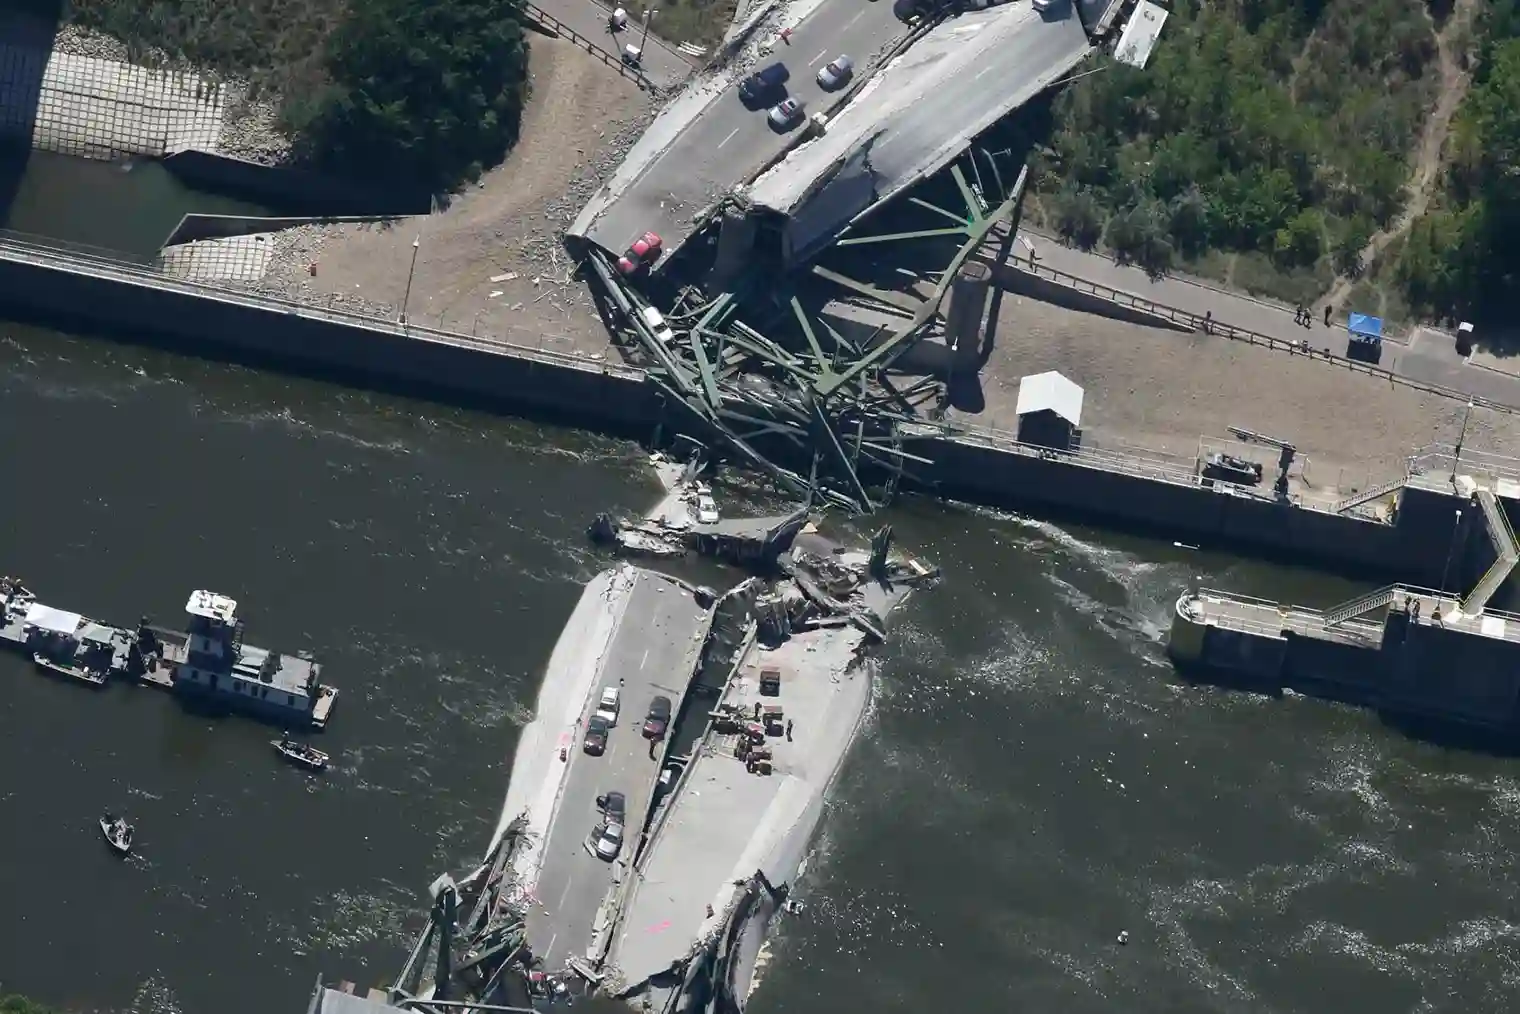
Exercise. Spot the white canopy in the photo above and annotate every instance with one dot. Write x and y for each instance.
(47, 618)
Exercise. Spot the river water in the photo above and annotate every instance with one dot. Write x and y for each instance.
(1032, 779)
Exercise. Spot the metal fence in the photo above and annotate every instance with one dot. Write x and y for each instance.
(1195, 322)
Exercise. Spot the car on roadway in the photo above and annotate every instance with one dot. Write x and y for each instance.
(836, 73)
(657, 722)
(707, 509)
(609, 840)
(786, 114)
(1043, 5)
(614, 805)
(642, 253)
(667, 780)
(764, 86)
(909, 11)
(607, 708)
(597, 729)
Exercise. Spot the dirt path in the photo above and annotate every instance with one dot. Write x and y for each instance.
(1427, 161)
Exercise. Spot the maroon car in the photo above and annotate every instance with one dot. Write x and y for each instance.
(596, 736)
(658, 719)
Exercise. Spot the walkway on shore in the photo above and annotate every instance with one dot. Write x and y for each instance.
(1425, 356)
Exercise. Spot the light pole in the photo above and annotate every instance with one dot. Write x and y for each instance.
(407, 298)
(648, 17)
(1451, 551)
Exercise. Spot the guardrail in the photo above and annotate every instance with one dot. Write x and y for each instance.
(65, 258)
(612, 60)
(1213, 326)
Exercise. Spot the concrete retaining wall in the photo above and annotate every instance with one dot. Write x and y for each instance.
(413, 360)
(293, 190)
(57, 286)
(1047, 291)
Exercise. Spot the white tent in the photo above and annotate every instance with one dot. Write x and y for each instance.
(47, 618)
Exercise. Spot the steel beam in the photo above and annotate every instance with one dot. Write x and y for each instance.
(889, 350)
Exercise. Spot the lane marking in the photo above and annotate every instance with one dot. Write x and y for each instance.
(550, 949)
(645, 660)
(984, 72)
(820, 56)
(729, 138)
(856, 18)
(563, 894)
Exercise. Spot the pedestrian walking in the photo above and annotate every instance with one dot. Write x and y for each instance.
(788, 730)
(1327, 314)
(1208, 321)
(786, 36)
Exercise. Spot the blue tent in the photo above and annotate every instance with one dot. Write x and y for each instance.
(1365, 329)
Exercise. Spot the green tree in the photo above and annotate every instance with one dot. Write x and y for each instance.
(1139, 236)
(1300, 242)
(422, 91)
(1078, 219)
(1348, 248)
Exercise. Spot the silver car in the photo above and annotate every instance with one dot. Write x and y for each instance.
(836, 73)
(609, 840)
(787, 114)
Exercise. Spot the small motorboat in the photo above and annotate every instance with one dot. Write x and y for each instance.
(299, 753)
(118, 833)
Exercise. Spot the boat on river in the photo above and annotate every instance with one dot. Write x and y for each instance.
(308, 757)
(118, 833)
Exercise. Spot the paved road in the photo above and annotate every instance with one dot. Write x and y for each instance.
(662, 64)
(653, 651)
(727, 142)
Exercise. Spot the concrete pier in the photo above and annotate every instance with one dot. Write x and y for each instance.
(1410, 653)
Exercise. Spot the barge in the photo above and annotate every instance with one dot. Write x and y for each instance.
(208, 662)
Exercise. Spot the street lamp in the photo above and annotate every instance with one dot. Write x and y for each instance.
(648, 17)
(407, 298)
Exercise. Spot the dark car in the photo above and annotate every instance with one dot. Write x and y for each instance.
(765, 85)
(658, 719)
(596, 736)
(909, 11)
(614, 805)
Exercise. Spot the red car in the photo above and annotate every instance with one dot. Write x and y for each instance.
(644, 252)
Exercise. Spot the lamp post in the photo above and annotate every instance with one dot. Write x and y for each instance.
(407, 298)
(1451, 551)
(648, 17)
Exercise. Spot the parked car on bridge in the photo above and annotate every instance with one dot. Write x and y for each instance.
(596, 736)
(641, 254)
(764, 86)
(836, 73)
(658, 719)
(609, 840)
(787, 114)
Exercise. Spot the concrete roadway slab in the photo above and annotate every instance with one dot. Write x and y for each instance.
(726, 142)
(653, 651)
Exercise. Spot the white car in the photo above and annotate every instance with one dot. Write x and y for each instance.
(1043, 5)
(609, 840)
(835, 73)
(607, 707)
(707, 510)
